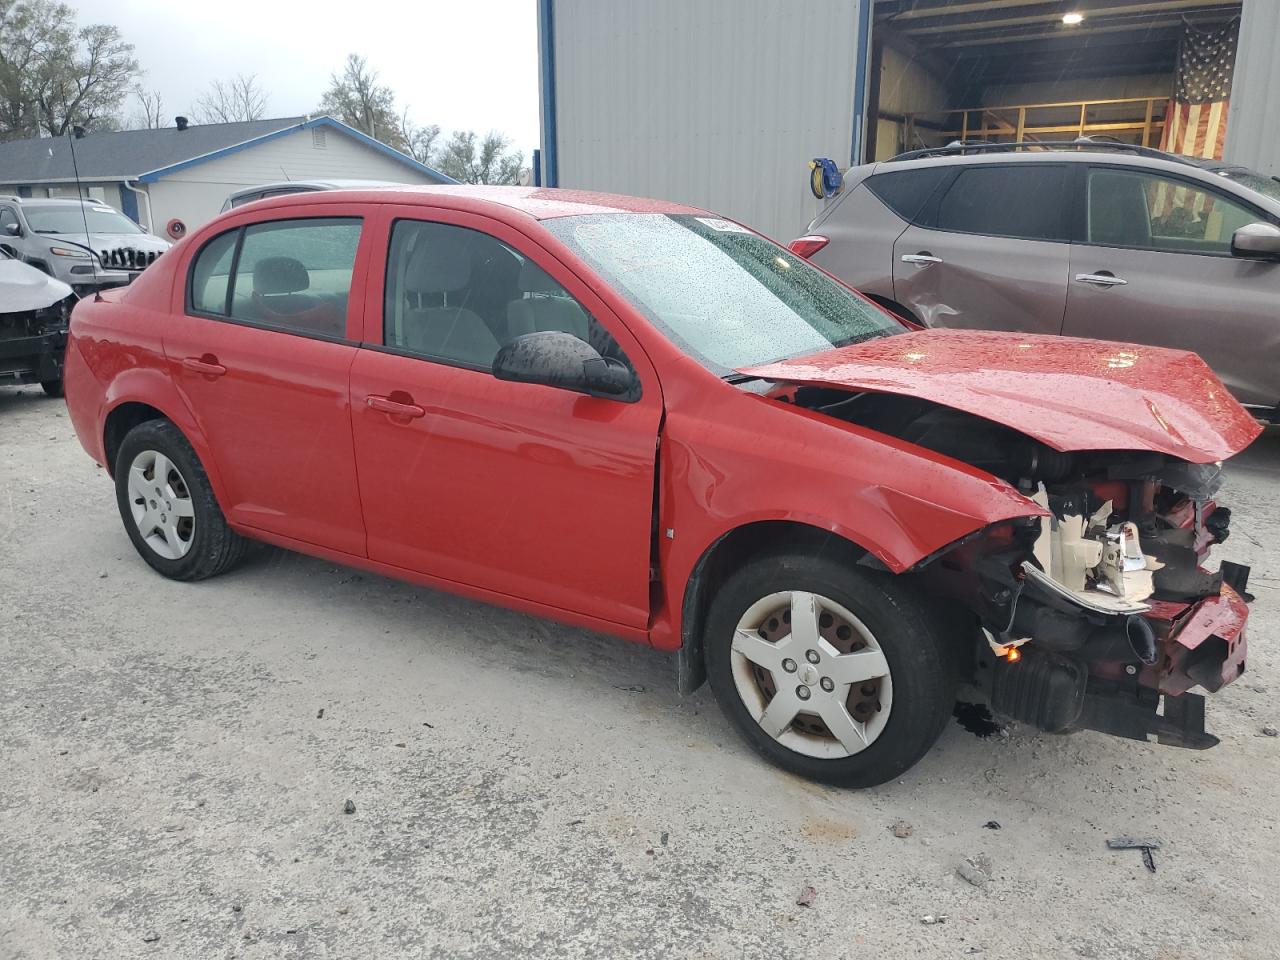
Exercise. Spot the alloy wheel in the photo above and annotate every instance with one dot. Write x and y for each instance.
(811, 674)
(160, 502)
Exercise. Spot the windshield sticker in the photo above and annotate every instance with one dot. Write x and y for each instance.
(724, 226)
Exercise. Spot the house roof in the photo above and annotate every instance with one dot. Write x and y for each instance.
(150, 154)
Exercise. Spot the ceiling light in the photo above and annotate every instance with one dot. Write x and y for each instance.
(1071, 19)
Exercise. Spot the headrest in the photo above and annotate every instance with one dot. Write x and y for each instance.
(438, 267)
(533, 279)
(279, 275)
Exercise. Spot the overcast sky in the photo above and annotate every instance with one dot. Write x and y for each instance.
(470, 65)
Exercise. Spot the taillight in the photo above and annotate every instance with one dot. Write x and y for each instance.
(807, 246)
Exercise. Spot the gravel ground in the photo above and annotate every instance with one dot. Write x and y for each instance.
(177, 759)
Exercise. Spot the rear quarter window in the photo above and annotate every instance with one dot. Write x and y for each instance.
(908, 192)
(1027, 201)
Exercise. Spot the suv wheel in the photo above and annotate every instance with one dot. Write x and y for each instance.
(168, 506)
(832, 673)
(52, 387)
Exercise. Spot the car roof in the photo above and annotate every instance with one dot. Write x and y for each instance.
(316, 185)
(540, 203)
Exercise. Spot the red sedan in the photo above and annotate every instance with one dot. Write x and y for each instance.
(645, 419)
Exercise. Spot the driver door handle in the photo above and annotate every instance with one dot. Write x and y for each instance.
(207, 366)
(920, 259)
(1102, 279)
(395, 407)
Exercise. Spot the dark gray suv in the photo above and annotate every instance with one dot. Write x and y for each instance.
(1084, 239)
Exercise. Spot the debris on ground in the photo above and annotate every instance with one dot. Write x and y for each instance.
(349, 807)
(991, 825)
(901, 829)
(236, 908)
(929, 919)
(320, 714)
(1145, 844)
(664, 838)
(631, 688)
(150, 937)
(978, 719)
(1269, 730)
(975, 870)
(806, 898)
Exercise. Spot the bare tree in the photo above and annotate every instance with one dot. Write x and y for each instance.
(150, 112)
(55, 74)
(357, 99)
(419, 142)
(238, 99)
(486, 162)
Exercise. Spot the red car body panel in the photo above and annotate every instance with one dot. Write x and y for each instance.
(1070, 394)
(525, 495)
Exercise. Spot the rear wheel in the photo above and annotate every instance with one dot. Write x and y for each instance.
(833, 673)
(52, 387)
(168, 506)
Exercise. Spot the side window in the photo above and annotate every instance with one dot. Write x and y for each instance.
(907, 192)
(1130, 209)
(1027, 201)
(211, 275)
(296, 274)
(457, 295)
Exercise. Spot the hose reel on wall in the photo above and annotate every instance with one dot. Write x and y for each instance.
(825, 179)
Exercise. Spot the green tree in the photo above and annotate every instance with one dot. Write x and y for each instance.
(55, 74)
(488, 161)
(357, 99)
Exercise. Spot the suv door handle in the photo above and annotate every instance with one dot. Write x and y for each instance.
(1102, 279)
(920, 259)
(206, 366)
(395, 407)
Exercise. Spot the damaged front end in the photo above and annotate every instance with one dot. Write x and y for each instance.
(1099, 614)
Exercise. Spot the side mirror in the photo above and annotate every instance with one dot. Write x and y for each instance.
(1256, 241)
(557, 359)
(13, 229)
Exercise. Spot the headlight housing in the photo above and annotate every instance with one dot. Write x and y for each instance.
(69, 252)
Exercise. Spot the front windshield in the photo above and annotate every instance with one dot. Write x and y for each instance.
(68, 219)
(727, 296)
(1267, 186)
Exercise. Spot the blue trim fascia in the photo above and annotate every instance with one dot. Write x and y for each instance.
(547, 67)
(153, 175)
(860, 81)
(128, 203)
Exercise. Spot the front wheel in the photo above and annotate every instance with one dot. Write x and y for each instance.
(52, 387)
(831, 672)
(168, 506)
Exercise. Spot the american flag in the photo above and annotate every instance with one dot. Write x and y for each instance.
(1195, 120)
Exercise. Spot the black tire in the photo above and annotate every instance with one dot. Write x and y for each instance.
(908, 630)
(52, 387)
(215, 547)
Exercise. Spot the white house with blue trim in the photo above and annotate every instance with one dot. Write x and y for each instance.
(186, 171)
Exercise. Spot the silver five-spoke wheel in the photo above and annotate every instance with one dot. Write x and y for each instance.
(811, 675)
(160, 502)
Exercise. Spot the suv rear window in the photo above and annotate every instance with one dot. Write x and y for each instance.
(1027, 201)
(906, 192)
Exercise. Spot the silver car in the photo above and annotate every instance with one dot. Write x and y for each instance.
(1091, 239)
(83, 243)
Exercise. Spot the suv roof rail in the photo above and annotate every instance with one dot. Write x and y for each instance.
(965, 147)
(11, 198)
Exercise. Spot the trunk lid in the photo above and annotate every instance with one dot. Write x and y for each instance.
(1069, 393)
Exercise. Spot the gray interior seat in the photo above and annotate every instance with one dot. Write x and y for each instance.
(1118, 211)
(451, 332)
(545, 307)
(278, 283)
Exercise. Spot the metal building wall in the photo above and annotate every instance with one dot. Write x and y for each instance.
(716, 103)
(1253, 126)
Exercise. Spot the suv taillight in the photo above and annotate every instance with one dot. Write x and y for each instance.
(807, 246)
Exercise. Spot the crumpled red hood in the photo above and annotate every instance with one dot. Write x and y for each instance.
(1072, 394)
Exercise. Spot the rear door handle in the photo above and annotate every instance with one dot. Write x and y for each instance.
(395, 407)
(206, 366)
(1100, 279)
(920, 259)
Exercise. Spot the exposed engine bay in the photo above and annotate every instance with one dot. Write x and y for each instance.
(1090, 614)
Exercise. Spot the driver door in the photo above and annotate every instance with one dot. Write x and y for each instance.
(520, 490)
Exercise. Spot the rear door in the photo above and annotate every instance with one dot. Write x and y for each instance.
(261, 350)
(521, 490)
(993, 254)
(1155, 267)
